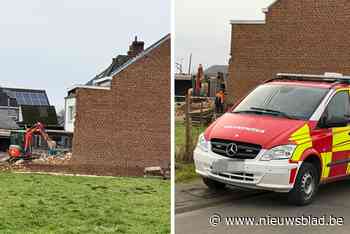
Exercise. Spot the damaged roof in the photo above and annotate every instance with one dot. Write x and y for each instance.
(116, 63)
(138, 57)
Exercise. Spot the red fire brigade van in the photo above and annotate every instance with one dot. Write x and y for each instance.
(289, 135)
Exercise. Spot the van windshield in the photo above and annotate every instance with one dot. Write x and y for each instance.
(286, 101)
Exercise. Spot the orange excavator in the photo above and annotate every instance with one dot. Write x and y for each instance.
(25, 151)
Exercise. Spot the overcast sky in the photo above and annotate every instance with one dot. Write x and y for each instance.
(203, 28)
(53, 44)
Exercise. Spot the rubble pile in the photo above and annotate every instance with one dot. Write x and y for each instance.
(59, 159)
(39, 158)
(157, 172)
(9, 167)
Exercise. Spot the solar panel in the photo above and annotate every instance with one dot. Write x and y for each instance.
(30, 98)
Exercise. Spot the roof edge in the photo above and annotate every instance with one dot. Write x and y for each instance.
(23, 89)
(247, 22)
(131, 61)
(86, 87)
(266, 9)
(101, 80)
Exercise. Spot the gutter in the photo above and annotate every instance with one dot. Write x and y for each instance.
(87, 87)
(247, 21)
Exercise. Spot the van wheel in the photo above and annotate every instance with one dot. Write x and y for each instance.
(305, 186)
(213, 184)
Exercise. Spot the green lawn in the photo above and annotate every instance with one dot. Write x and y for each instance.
(33, 203)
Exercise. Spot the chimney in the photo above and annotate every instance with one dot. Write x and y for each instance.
(135, 48)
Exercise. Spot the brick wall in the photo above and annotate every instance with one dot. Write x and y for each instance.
(300, 36)
(129, 125)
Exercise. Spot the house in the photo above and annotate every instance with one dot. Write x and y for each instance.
(296, 36)
(122, 122)
(6, 125)
(103, 79)
(22, 108)
(28, 106)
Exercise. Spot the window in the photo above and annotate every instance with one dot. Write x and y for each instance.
(338, 107)
(71, 113)
(286, 99)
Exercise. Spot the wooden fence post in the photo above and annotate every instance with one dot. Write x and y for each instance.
(188, 157)
(201, 114)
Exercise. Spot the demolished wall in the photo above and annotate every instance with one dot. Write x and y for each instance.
(299, 36)
(123, 130)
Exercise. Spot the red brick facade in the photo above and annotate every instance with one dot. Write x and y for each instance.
(122, 130)
(299, 36)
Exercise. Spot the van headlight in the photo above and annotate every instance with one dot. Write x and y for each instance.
(203, 144)
(279, 153)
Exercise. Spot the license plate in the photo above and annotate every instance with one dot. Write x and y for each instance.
(222, 165)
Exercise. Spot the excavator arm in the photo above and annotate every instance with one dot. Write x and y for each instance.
(37, 129)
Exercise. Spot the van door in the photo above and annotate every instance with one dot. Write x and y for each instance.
(338, 159)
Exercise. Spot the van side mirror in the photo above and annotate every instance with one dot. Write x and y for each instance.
(335, 122)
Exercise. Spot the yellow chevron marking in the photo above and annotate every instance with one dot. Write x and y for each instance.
(303, 140)
(326, 159)
(348, 169)
(340, 139)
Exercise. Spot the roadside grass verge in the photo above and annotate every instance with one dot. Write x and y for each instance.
(180, 134)
(33, 203)
(184, 171)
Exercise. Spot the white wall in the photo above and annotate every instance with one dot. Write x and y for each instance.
(69, 119)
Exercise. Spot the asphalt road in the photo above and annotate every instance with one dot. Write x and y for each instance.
(332, 199)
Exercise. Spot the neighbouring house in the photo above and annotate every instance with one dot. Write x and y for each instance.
(21, 109)
(296, 36)
(6, 125)
(121, 118)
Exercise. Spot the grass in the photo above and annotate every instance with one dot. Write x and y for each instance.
(33, 203)
(185, 171)
(180, 136)
(180, 133)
